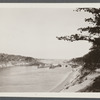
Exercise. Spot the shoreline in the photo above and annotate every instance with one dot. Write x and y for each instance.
(68, 79)
(60, 86)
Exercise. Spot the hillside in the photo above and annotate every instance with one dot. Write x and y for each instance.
(17, 60)
(79, 61)
(85, 77)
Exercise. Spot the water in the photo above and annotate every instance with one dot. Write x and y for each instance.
(30, 79)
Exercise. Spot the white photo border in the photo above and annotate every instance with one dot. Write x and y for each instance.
(45, 94)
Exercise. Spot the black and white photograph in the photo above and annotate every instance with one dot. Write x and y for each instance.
(50, 49)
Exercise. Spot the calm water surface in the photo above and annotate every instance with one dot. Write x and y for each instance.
(30, 79)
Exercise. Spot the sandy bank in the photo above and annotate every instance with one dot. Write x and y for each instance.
(65, 81)
(74, 84)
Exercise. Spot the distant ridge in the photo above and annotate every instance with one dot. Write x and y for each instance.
(7, 60)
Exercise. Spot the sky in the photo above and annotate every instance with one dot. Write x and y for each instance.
(32, 32)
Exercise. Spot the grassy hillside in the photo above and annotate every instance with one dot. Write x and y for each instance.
(16, 60)
(87, 77)
(92, 59)
(79, 60)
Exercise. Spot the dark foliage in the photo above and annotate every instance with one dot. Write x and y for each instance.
(95, 87)
(78, 61)
(92, 59)
(94, 31)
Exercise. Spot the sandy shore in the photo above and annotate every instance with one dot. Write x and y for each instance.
(71, 75)
(62, 83)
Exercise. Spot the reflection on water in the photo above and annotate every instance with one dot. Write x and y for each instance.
(30, 79)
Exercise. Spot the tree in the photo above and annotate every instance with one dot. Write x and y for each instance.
(92, 36)
(94, 31)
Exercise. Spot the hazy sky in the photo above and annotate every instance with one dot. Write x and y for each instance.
(33, 31)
